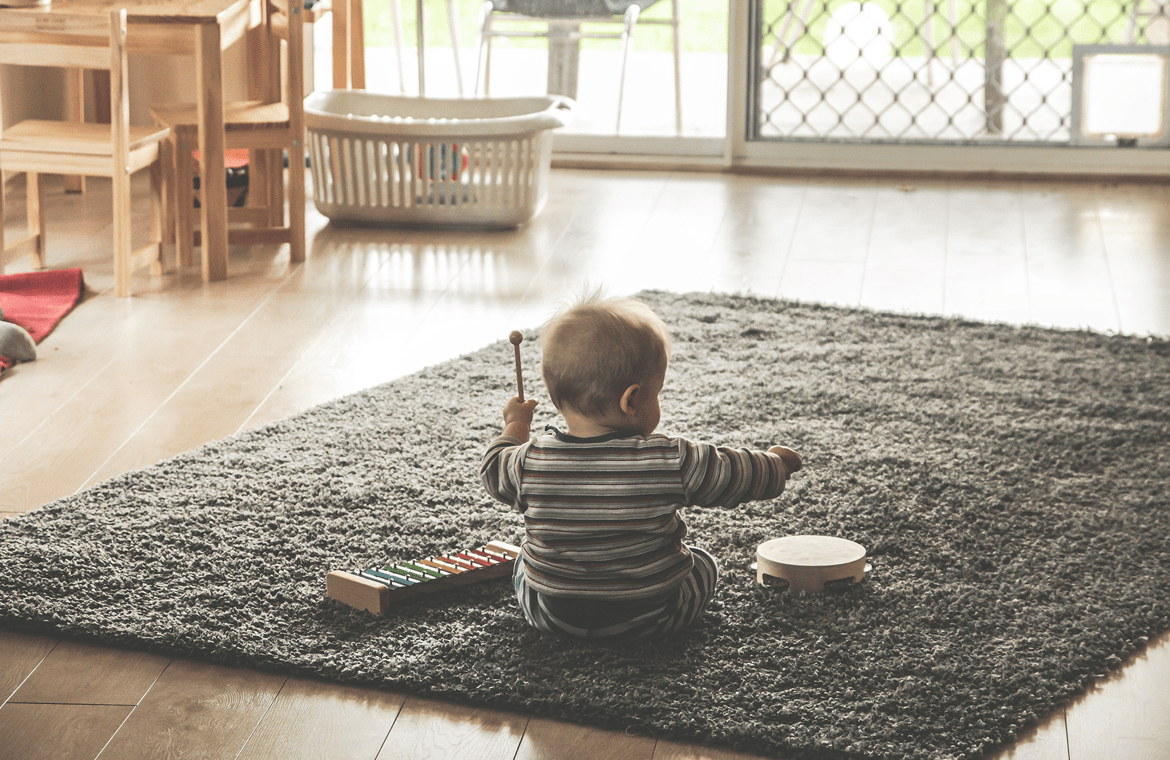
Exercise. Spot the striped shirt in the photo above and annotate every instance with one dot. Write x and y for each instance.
(601, 514)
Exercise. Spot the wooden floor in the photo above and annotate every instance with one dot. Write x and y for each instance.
(123, 383)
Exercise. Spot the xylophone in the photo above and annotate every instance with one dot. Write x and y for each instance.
(376, 589)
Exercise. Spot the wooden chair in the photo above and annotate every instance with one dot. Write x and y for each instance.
(266, 128)
(116, 150)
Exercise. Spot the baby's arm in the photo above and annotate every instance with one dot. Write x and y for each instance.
(718, 476)
(499, 468)
(518, 418)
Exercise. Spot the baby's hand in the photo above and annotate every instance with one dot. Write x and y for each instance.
(790, 457)
(519, 411)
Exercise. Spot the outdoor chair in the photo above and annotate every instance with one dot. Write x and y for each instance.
(564, 18)
(798, 17)
(452, 25)
(1156, 28)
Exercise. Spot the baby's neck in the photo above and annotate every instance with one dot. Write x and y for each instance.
(580, 426)
(589, 432)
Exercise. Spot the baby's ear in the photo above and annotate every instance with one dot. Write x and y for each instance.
(630, 399)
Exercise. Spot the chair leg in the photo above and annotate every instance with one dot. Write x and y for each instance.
(630, 19)
(157, 213)
(35, 199)
(275, 179)
(675, 23)
(296, 201)
(927, 34)
(123, 258)
(259, 177)
(396, 24)
(166, 163)
(453, 23)
(483, 49)
(953, 18)
(780, 50)
(75, 111)
(185, 213)
(3, 245)
(265, 177)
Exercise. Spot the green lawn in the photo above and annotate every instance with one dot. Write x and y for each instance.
(1034, 28)
(704, 26)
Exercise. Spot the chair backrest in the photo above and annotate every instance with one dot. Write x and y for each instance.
(285, 21)
(73, 40)
(38, 38)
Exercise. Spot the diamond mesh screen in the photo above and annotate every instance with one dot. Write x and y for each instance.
(933, 70)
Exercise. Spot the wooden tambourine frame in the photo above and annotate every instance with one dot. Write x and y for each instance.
(810, 563)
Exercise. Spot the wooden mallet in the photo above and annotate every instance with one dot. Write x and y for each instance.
(517, 338)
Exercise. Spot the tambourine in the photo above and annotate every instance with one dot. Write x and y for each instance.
(810, 563)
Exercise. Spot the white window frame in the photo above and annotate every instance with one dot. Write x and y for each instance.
(736, 152)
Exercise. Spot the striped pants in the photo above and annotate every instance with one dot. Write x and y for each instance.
(600, 620)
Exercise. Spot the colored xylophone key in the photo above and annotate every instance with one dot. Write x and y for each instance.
(378, 588)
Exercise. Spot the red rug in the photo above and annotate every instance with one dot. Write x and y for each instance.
(38, 300)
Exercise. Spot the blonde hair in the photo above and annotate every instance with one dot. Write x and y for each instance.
(598, 347)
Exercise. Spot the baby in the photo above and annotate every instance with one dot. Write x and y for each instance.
(603, 555)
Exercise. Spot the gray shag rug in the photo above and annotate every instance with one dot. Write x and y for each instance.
(1010, 483)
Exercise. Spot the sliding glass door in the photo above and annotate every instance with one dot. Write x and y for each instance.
(976, 85)
(1031, 86)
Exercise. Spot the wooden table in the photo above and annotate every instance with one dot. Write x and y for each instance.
(203, 28)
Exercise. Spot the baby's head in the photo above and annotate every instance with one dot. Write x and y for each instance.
(597, 350)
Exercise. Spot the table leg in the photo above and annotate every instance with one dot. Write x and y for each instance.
(341, 45)
(357, 45)
(213, 181)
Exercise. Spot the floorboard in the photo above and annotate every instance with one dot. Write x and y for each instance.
(122, 383)
(311, 720)
(553, 739)
(195, 710)
(23, 652)
(1128, 715)
(82, 674)
(57, 732)
(428, 729)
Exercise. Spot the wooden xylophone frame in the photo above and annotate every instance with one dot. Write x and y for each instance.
(377, 589)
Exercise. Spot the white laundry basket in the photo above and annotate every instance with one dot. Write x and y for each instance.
(430, 161)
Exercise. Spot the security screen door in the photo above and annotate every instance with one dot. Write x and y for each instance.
(949, 72)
